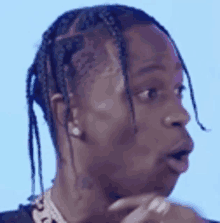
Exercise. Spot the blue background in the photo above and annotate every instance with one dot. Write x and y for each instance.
(193, 24)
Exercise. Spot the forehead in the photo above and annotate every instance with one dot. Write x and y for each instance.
(146, 44)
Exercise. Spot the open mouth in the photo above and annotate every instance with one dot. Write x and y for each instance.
(179, 161)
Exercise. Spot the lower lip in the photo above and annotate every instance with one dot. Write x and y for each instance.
(180, 166)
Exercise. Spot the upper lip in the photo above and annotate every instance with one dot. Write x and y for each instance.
(183, 147)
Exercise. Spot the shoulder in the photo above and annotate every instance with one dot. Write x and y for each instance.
(210, 221)
(21, 215)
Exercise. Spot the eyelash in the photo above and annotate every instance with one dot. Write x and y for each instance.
(153, 90)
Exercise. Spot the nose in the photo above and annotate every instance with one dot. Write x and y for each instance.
(177, 119)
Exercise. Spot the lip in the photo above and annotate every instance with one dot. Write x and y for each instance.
(180, 165)
(182, 145)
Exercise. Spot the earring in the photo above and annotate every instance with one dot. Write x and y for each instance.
(76, 131)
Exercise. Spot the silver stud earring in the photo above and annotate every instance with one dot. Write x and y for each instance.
(76, 131)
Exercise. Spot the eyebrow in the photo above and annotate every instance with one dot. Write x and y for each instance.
(153, 67)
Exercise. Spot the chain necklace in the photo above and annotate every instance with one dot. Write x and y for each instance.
(47, 212)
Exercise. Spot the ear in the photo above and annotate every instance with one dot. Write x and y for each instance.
(58, 108)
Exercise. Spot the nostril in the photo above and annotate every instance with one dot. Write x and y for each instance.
(179, 155)
(177, 124)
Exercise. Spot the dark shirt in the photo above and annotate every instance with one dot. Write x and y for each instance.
(23, 215)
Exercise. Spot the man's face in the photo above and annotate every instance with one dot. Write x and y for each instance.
(119, 160)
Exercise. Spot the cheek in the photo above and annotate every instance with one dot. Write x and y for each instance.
(107, 111)
(105, 97)
(104, 105)
(178, 78)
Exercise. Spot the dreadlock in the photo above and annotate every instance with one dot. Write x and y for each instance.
(112, 17)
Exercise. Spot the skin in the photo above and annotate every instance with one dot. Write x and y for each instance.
(110, 158)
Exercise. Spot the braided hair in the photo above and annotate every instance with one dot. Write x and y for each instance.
(116, 18)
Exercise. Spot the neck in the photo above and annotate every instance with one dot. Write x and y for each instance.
(72, 207)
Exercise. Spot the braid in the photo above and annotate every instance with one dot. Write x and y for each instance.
(121, 47)
(191, 92)
(41, 70)
(60, 54)
(63, 50)
(39, 67)
(39, 151)
(187, 74)
(30, 135)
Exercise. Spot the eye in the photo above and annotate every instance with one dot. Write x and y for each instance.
(180, 89)
(149, 94)
(152, 93)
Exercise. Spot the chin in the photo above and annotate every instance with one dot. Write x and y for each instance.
(112, 194)
(162, 183)
(165, 191)
(114, 191)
